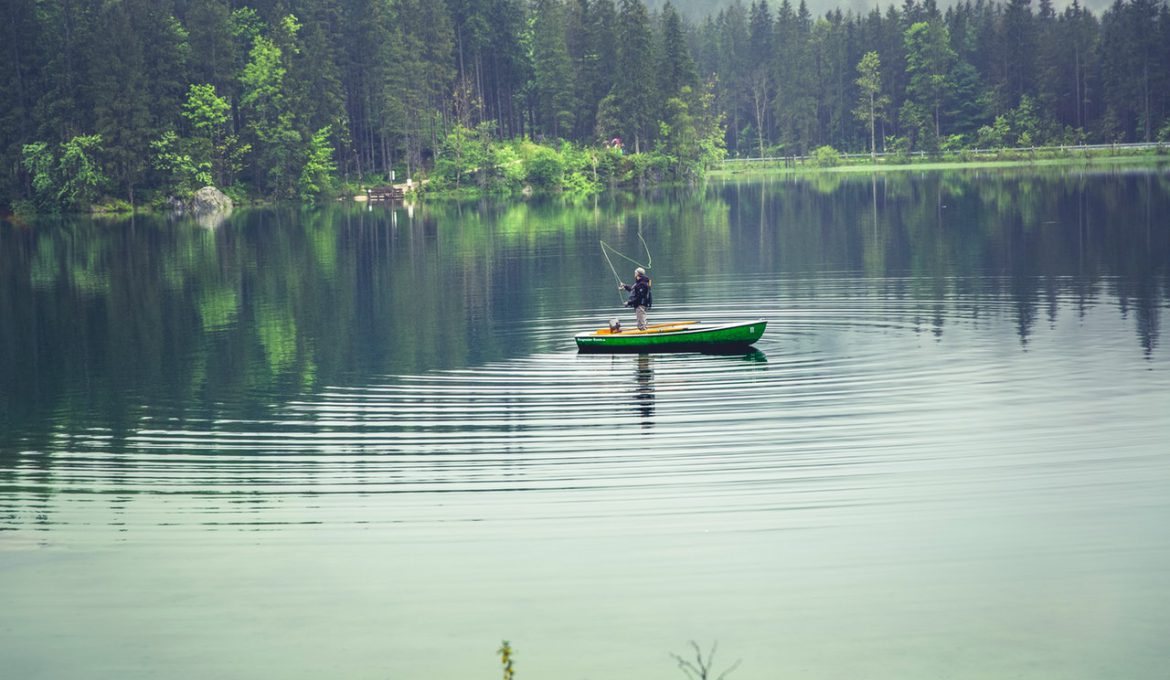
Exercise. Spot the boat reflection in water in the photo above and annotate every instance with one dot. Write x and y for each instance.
(644, 389)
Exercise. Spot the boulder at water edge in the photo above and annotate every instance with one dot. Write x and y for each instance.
(209, 200)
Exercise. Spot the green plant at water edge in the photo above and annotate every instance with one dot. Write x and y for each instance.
(703, 668)
(316, 180)
(546, 169)
(180, 172)
(211, 141)
(38, 161)
(71, 181)
(899, 150)
(505, 652)
(1164, 133)
(827, 157)
(462, 156)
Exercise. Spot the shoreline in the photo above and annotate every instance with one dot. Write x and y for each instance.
(751, 167)
(810, 167)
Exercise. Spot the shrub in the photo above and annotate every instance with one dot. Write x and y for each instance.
(508, 169)
(826, 157)
(900, 148)
(70, 180)
(546, 169)
(649, 167)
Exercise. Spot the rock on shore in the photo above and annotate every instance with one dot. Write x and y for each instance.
(209, 200)
(209, 206)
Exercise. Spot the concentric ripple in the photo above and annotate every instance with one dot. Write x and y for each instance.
(863, 397)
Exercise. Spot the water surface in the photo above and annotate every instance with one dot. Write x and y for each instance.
(359, 442)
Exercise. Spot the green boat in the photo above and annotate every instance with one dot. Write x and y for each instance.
(679, 336)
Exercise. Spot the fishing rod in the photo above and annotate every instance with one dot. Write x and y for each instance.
(606, 249)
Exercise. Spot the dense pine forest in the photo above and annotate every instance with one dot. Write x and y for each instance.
(137, 100)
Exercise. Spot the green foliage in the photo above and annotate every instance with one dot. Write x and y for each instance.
(206, 112)
(462, 155)
(826, 157)
(552, 77)
(277, 158)
(871, 103)
(953, 143)
(209, 155)
(263, 79)
(691, 136)
(41, 167)
(677, 67)
(900, 149)
(929, 59)
(316, 180)
(113, 206)
(1026, 124)
(247, 90)
(181, 174)
(508, 167)
(246, 25)
(650, 168)
(473, 162)
(1020, 127)
(634, 85)
(994, 136)
(71, 181)
(546, 169)
(580, 176)
(80, 177)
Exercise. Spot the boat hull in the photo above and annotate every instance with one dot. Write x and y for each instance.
(682, 337)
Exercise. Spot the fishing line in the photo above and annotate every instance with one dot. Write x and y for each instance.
(649, 258)
(606, 249)
(611, 268)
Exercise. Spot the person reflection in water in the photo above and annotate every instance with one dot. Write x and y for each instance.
(640, 298)
(644, 391)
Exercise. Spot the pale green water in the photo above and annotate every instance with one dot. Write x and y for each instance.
(360, 443)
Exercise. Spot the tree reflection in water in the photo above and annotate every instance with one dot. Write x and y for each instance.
(98, 317)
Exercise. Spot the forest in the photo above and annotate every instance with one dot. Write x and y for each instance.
(133, 101)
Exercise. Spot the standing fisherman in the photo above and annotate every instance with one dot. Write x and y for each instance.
(640, 298)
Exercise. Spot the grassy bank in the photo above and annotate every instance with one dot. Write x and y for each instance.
(1011, 158)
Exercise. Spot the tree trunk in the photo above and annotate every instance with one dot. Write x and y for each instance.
(872, 135)
(1146, 98)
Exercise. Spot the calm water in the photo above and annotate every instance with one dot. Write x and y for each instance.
(360, 442)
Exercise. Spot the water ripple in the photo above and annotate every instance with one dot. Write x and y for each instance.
(844, 404)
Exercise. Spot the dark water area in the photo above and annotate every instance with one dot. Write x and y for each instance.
(358, 441)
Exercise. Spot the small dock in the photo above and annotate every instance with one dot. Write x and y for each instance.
(389, 192)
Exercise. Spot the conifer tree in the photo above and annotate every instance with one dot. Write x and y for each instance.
(732, 74)
(213, 52)
(633, 89)
(677, 68)
(1015, 53)
(760, 73)
(553, 82)
(929, 58)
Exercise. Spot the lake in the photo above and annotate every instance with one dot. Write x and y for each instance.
(359, 442)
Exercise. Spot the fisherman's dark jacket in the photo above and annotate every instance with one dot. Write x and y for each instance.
(639, 293)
